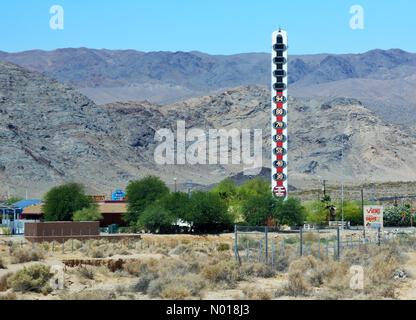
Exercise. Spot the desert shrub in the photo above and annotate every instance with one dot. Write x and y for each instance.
(121, 290)
(45, 246)
(281, 263)
(223, 246)
(163, 251)
(194, 283)
(310, 236)
(260, 270)
(175, 292)
(2, 263)
(254, 293)
(141, 267)
(303, 274)
(8, 296)
(297, 285)
(5, 231)
(75, 242)
(336, 276)
(223, 272)
(380, 274)
(86, 272)
(176, 287)
(3, 282)
(89, 295)
(355, 257)
(22, 255)
(32, 278)
(179, 249)
(98, 252)
(143, 283)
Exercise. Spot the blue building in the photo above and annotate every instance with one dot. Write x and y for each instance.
(11, 215)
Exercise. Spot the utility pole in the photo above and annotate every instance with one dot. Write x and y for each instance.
(174, 179)
(342, 184)
(362, 208)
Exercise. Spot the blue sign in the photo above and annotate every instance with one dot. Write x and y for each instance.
(118, 195)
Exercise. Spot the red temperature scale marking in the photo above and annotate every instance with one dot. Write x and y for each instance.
(279, 127)
(279, 105)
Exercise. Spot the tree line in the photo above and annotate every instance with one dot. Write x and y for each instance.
(152, 207)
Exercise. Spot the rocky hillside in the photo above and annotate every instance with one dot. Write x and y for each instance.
(50, 133)
(384, 80)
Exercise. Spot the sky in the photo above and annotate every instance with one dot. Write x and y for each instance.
(211, 26)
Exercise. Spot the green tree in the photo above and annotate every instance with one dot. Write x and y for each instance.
(289, 212)
(178, 203)
(352, 212)
(156, 219)
(317, 213)
(258, 209)
(226, 189)
(397, 216)
(142, 193)
(92, 213)
(208, 213)
(256, 186)
(61, 202)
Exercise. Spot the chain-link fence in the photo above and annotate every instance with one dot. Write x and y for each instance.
(270, 245)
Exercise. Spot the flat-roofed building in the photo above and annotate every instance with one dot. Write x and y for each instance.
(112, 212)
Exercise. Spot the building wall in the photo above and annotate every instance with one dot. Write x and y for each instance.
(61, 231)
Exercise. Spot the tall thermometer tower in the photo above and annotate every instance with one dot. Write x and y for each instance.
(279, 115)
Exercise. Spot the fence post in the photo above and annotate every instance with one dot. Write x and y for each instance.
(266, 232)
(247, 251)
(301, 242)
(327, 249)
(260, 249)
(235, 242)
(273, 249)
(319, 247)
(338, 243)
(379, 236)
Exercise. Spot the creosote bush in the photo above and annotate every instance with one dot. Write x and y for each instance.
(86, 272)
(3, 282)
(255, 293)
(223, 272)
(2, 263)
(33, 278)
(22, 255)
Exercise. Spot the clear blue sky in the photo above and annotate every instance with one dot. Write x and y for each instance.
(212, 26)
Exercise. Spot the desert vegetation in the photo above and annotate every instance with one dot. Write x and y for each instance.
(195, 267)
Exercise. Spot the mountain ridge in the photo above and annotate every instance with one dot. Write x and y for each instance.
(382, 79)
(50, 133)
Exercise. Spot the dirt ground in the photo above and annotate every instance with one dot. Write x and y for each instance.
(162, 257)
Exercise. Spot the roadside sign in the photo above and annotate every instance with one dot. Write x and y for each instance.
(373, 217)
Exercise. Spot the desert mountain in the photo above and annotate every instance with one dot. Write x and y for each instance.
(49, 133)
(384, 80)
